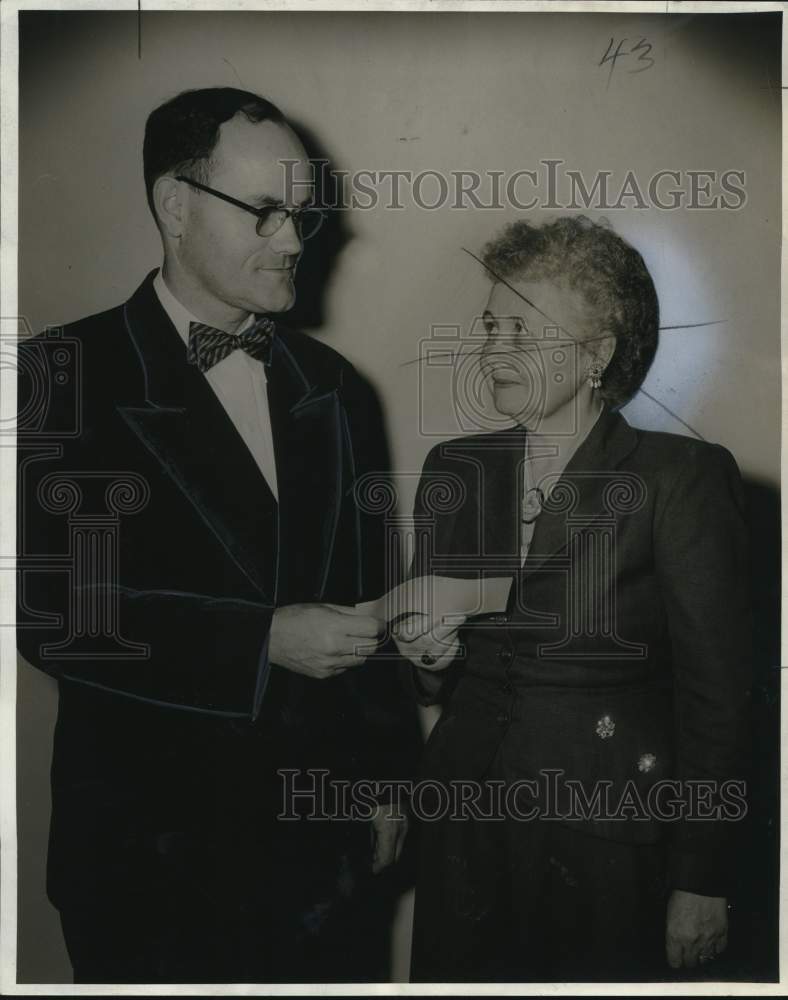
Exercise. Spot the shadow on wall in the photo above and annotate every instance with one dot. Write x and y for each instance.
(41, 952)
(754, 949)
(317, 265)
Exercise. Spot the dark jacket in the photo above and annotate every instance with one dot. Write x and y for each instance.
(624, 657)
(152, 556)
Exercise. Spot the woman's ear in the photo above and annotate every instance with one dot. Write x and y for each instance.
(605, 347)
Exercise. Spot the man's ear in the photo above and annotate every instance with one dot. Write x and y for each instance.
(168, 197)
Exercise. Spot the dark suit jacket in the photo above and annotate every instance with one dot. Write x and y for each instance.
(624, 656)
(152, 557)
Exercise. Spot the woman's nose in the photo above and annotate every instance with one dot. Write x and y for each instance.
(500, 345)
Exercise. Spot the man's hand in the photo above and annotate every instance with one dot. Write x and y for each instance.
(321, 640)
(697, 928)
(389, 829)
(433, 650)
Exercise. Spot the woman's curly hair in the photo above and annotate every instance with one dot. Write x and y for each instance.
(589, 257)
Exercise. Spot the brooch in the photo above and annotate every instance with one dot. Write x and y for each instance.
(646, 762)
(532, 505)
(605, 727)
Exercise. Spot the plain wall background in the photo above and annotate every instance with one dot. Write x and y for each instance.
(442, 92)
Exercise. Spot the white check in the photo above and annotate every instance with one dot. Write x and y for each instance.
(419, 604)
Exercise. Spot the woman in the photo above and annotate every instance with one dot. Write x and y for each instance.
(586, 771)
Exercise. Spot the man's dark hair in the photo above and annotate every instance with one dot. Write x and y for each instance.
(592, 259)
(181, 134)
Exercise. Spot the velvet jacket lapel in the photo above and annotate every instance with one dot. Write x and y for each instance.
(315, 472)
(185, 427)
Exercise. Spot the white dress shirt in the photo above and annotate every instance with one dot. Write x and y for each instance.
(240, 385)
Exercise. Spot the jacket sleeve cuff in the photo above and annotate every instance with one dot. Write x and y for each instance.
(705, 874)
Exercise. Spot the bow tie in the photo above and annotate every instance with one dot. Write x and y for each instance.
(208, 346)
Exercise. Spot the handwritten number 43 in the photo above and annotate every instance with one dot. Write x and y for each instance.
(642, 49)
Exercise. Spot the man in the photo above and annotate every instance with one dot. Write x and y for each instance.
(194, 600)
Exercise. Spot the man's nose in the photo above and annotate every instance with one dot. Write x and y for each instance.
(287, 239)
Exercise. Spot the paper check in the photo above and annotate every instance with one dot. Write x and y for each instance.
(425, 601)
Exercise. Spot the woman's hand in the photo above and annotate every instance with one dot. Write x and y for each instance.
(432, 650)
(697, 928)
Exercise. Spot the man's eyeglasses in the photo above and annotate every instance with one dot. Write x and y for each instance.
(271, 218)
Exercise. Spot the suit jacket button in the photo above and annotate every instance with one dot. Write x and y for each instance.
(506, 654)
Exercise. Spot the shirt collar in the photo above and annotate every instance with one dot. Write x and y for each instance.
(179, 315)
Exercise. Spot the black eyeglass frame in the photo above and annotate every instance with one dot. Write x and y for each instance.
(298, 215)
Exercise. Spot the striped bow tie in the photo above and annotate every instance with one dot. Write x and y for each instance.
(208, 346)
